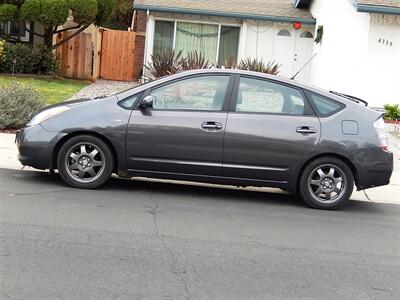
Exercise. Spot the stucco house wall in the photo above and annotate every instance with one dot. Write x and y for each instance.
(350, 58)
(257, 39)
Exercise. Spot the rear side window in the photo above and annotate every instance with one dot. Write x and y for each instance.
(261, 96)
(324, 105)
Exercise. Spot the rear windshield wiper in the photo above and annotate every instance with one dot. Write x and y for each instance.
(351, 98)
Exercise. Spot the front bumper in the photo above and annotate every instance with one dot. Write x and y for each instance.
(35, 146)
(374, 167)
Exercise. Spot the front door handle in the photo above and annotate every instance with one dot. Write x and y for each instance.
(305, 130)
(211, 126)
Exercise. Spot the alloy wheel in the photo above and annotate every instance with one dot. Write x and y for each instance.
(327, 183)
(84, 162)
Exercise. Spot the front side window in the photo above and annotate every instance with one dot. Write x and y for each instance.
(197, 93)
(260, 96)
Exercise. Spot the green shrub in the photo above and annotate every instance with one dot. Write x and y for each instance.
(23, 58)
(392, 112)
(17, 103)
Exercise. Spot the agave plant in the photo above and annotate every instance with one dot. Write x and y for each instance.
(392, 112)
(195, 60)
(259, 66)
(164, 63)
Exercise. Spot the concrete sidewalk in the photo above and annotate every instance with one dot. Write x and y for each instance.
(385, 194)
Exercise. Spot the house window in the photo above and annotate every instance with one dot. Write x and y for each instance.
(163, 36)
(228, 43)
(307, 35)
(200, 37)
(283, 32)
(217, 43)
(15, 29)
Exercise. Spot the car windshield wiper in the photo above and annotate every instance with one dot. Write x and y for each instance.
(351, 98)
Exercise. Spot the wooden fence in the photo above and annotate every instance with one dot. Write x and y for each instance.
(98, 53)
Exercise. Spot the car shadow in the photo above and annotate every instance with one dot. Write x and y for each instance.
(201, 191)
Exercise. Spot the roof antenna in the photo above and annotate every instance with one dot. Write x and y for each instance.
(302, 68)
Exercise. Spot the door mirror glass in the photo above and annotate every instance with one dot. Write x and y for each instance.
(147, 102)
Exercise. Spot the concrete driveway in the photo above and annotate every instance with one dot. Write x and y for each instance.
(152, 240)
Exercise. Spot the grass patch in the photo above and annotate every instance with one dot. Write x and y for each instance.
(51, 90)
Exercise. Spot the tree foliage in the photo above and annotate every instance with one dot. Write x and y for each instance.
(54, 13)
(121, 16)
(8, 12)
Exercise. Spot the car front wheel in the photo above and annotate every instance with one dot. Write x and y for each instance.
(326, 183)
(85, 161)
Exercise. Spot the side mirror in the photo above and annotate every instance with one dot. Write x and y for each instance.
(147, 102)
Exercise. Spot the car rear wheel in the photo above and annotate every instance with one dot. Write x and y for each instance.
(326, 183)
(85, 161)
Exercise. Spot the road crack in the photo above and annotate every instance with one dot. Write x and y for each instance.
(176, 268)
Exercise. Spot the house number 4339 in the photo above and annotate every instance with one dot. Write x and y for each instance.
(385, 42)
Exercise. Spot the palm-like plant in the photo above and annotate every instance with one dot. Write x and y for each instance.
(165, 63)
(195, 60)
(259, 66)
(392, 112)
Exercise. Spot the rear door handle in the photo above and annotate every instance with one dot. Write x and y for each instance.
(305, 130)
(211, 126)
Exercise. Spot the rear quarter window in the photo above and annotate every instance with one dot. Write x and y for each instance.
(325, 106)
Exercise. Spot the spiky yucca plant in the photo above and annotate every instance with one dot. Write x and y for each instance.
(259, 66)
(195, 60)
(230, 63)
(166, 62)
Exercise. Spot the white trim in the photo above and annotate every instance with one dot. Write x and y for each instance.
(174, 37)
(27, 34)
(218, 42)
(242, 41)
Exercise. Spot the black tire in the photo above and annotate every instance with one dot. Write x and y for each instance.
(326, 192)
(72, 162)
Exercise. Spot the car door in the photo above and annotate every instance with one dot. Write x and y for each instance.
(270, 128)
(183, 132)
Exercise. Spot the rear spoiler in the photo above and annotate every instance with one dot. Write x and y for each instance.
(351, 98)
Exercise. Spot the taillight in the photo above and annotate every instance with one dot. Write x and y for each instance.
(380, 129)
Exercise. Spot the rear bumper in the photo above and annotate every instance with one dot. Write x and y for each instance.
(374, 167)
(35, 146)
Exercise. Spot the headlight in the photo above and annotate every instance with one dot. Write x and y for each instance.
(47, 114)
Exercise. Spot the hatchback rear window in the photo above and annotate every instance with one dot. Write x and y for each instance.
(324, 105)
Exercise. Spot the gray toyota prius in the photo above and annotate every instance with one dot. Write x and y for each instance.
(217, 126)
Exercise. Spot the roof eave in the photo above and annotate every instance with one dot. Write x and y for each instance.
(375, 9)
(285, 19)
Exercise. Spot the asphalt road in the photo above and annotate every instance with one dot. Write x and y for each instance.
(148, 240)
